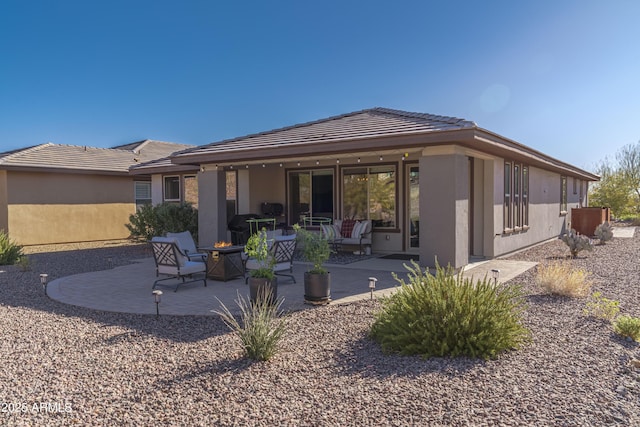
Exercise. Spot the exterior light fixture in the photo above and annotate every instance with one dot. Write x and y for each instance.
(157, 296)
(201, 168)
(495, 274)
(358, 159)
(264, 166)
(231, 167)
(380, 158)
(280, 164)
(372, 285)
(298, 163)
(44, 279)
(246, 166)
(317, 162)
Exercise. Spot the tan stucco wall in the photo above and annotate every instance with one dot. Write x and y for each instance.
(56, 207)
(4, 214)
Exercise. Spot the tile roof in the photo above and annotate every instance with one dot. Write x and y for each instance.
(370, 123)
(87, 159)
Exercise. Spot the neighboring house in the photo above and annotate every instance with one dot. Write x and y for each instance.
(53, 193)
(432, 185)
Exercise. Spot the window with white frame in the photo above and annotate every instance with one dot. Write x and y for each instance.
(142, 193)
(172, 189)
(516, 196)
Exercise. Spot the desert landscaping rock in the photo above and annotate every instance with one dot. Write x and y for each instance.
(66, 365)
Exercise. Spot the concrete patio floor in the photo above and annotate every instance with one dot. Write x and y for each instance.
(127, 289)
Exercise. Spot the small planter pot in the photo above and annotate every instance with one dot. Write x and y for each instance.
(317, 287)
(259, 286)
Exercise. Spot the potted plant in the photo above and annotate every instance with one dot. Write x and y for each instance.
(317, 280)
(260, 265)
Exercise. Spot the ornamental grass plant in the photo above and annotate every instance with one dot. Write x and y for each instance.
(448, 315)
(260, 326)
(561, 278)
(10, 252)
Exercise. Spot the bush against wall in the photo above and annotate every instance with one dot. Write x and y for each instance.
(448, 315)
(163, 218)
(10, 252)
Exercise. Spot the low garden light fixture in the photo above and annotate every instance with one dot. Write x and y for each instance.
(157, 297)
(44, 279)
(495, 274)
(372, 285)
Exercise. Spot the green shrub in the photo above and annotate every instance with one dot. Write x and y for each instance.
(10, 252)
(628, 327)
(261, 326)
(601, 307)
(150, 221)
(448, 315)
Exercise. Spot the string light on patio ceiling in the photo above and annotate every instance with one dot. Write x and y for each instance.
(358, 159)
(338, 161)
(317, 162)
(380, 158)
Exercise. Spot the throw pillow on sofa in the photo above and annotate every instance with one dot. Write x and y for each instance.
(347, 227)
(359, 228)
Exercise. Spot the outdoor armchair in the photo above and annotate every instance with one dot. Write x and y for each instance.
(172, 262)
(282, 248)
(188, 246)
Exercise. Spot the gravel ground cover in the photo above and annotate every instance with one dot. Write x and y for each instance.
(65, 365)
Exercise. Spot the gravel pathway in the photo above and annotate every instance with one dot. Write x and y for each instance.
(66, 365)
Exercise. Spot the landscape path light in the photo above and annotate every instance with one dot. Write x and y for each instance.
(44, 279)
(372, 285)
(495, 274)
(157, 297)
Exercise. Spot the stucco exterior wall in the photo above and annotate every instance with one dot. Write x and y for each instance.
(57, 208)
(4, 211)
(545, 220)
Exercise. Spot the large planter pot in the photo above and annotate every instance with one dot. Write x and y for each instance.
(317, 287)
(258, 286)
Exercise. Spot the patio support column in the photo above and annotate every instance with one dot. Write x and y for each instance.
(444, 207)
(212, 206)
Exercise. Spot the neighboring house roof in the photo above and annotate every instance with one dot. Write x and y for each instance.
(84, 159)
(371, 130)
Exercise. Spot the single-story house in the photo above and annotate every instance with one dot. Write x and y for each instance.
(431, 185)
(54, 193)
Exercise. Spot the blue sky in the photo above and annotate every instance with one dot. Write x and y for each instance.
(560, 76)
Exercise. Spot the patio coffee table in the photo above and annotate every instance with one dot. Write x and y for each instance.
(224, 263)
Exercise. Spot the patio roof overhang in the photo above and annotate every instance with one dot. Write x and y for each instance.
(474, 139)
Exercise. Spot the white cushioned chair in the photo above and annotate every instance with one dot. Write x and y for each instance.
(172, 262)
(360, 234)
(188, 246)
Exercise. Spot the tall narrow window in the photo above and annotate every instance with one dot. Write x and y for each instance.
(231, 193)
(507, 197)
(517, 207)
(516, 197)
(370, 193)
(171, 188)
(563, 195)
(142, 192)
(525, 196)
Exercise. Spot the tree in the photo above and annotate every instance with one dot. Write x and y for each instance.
(611, 191)
(628, 158)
